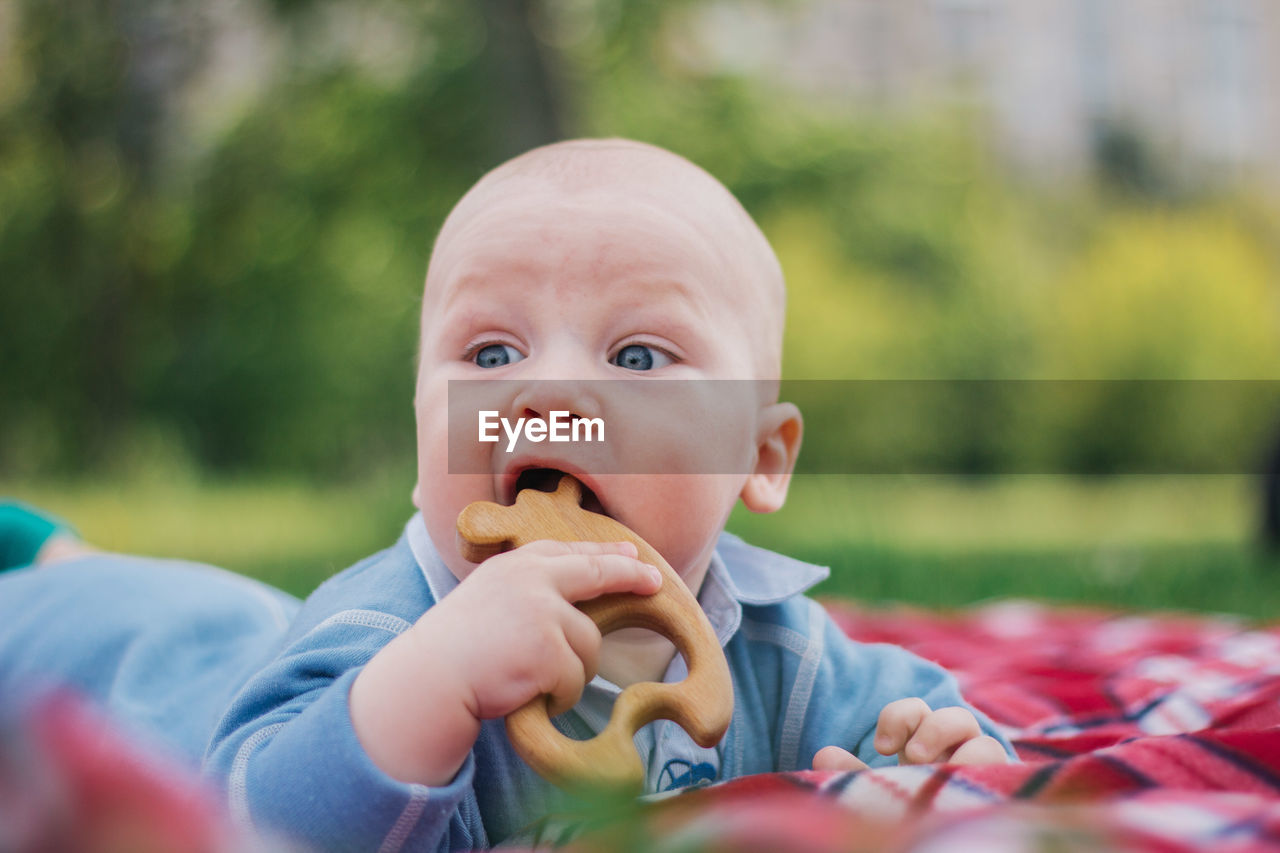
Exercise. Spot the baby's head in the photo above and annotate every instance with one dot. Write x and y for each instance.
(598, 260)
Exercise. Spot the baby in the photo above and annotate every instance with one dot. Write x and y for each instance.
(375, 720)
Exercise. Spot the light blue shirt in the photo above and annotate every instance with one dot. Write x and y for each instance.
(675, 760)
(292, 762)
(202, 657)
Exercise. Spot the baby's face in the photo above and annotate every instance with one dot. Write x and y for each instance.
(538, 284)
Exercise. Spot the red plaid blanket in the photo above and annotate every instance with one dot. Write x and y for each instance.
(1155, 732)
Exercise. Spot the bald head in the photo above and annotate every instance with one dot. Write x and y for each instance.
(643, 174)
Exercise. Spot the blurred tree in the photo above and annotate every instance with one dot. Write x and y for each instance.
(83, 120)
(253, 297)
(1126, 161)
(524, 86)
(1271, 499)
(294, 326)
(259, 306)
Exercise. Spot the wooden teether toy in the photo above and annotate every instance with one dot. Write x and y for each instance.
(702, 704)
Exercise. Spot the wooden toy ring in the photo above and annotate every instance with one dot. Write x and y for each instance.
(702, 704)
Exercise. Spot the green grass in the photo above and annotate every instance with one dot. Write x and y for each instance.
(1134, 543)
(1145, 543)
(288, 534)
(1217, 578)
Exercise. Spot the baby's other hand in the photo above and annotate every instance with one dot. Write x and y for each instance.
(835, 758)
(921, 736)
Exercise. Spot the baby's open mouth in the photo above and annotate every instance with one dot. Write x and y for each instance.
(546, 480)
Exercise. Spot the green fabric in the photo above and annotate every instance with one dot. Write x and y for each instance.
(23, 532)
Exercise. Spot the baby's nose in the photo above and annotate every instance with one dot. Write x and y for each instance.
(531, 413)
(540, 398)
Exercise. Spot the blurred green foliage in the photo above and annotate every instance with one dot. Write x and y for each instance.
(247, 301)
(1130, 542)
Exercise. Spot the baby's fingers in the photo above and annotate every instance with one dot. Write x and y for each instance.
(939, 735)
(570, 676)
(556, 548)
(835, 758)
(898, 722)
(580, 577)
(980, 750)
(583, 638)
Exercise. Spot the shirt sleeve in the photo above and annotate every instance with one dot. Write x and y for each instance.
(854, 681)
(288, 755)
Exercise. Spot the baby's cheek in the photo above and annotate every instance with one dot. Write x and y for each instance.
(683, 522)
(442, 499)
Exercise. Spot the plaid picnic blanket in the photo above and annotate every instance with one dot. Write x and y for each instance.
(1151, 732)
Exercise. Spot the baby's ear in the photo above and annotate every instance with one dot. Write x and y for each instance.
(416, 496)
(777, 446)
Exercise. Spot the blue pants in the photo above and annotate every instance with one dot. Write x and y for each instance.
(162, 645)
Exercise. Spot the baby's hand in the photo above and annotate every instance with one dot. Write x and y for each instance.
(508, 633)
(513, 630)
(921, 736)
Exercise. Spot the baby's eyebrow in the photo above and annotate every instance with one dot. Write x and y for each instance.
(644, 289)
(469, 282)
(675, 286)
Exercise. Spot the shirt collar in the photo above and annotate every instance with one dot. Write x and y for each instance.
(439, 579)
(744, 574)
(739, 574)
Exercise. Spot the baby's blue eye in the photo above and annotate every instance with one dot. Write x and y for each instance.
(641, 357)
(496, 355)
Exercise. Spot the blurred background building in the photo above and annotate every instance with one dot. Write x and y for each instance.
(1062, 84)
